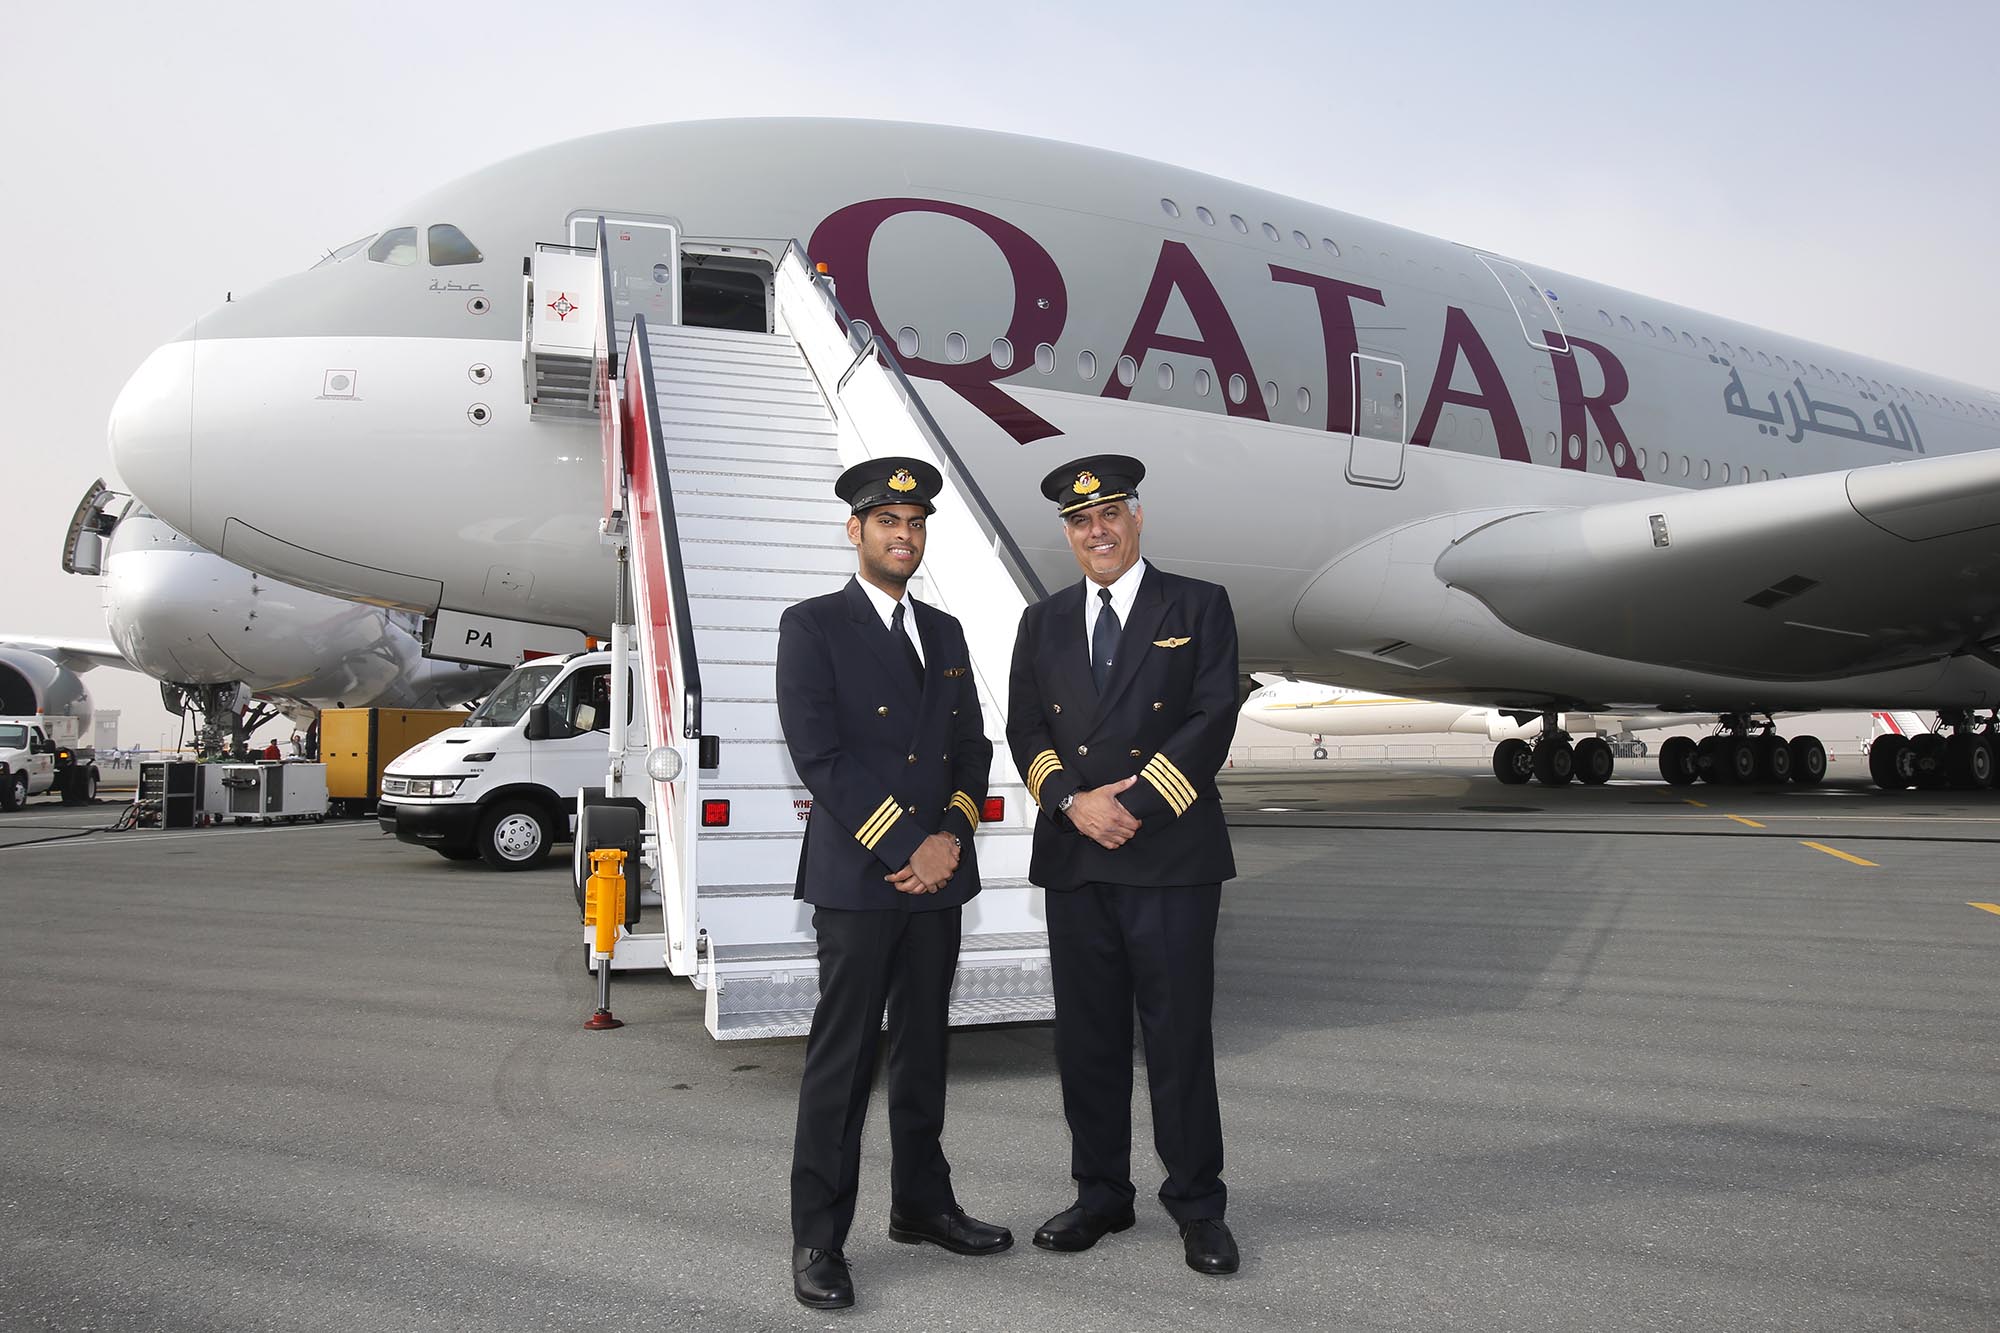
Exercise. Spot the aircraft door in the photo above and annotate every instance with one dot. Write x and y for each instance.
(1539, 323)
(645, 264)
(1381, 422)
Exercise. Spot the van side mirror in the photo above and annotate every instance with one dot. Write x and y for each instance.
(538, 722)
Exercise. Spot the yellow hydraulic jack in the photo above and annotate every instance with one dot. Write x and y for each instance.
(604, 909)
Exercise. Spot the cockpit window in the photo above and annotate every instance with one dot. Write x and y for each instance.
(398, 247)
(449, 246)
(348, 251)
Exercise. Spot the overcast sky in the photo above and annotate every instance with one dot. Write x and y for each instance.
(1825, 170)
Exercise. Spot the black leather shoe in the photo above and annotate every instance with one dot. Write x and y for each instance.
(1077, 1228)
(1210, 1247)
(954, 1230)
(820, 1280)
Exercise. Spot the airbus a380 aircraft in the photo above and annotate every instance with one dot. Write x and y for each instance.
(1419, 467)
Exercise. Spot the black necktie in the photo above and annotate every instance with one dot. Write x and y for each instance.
(909, 649)
(1103, 640)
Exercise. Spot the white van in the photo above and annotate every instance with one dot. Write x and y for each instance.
(503, 786)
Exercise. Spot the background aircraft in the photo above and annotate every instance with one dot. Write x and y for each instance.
(231, 647)
(1461, 473)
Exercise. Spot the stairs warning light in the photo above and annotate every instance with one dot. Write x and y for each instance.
(993, 810)
(715, 814)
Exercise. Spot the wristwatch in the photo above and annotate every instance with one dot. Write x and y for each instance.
(1062, 806)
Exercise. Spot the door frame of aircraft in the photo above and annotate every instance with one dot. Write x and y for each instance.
(1381, 424)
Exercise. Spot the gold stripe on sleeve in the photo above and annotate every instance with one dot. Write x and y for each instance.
(1160, 771)
(878, 823)
(1039, 770)
(963, 804)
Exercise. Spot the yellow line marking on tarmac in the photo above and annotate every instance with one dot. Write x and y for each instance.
(1987, 907)
(1822, 847)
(1741, 820)
(1699, 805)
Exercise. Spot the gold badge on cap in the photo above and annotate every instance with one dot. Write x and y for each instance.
(1086, 483)
(901, 480)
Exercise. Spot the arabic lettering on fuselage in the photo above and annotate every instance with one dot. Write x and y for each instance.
(1800, 414)
(843, 239)
(438, 285)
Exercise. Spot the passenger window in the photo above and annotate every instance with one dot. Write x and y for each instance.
(1003, 354)
(1045, 358)
(451, 246)
(398, 247)
(1086, 365)
(1128, 370)
(906, 341)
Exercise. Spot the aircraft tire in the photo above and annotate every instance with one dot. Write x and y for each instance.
(1555, 763)
(1705, 752)
(1319, 752)
(513, 835)
(1594, 761)
(1774, 759)
(1677, 761)
(1889, 762)
(1736, 761)
(14, 792)
(1808, 761)
(1968, 763)
(1513, 762)
(1927, 749)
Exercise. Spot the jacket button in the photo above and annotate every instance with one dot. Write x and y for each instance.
(913, 759)
(909, 809)
(1136, 753)
(884, 710)
(1055, 708)
(1083, 749)
(1157, 705)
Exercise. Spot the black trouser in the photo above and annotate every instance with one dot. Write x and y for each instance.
(1109, 945)
(903, 961)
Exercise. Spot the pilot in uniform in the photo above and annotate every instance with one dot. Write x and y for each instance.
(882, 719)
(1120, 709)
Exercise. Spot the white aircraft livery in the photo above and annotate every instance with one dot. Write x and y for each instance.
(1419, 467)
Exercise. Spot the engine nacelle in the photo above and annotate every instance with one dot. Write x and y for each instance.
(30, 683)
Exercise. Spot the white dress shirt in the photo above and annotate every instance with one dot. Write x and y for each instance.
(885, 607)
(1124, 592)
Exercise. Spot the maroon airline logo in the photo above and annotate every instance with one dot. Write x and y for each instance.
(1041, 310)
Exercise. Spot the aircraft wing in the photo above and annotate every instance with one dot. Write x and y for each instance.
(75, 654)
(1796, 579)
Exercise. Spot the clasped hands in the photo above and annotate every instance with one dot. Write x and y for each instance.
(931, 866)
(1099, 815)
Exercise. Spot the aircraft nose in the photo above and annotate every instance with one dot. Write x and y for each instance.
(152, 433)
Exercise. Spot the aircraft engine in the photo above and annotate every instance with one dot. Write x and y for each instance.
(30, 683)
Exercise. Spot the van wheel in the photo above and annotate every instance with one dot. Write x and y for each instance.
(14, 792)
(514, 835)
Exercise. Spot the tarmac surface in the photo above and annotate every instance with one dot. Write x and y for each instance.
(1491, 1058)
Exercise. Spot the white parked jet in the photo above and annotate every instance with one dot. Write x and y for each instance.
(218, 636)
(1308, 708)
(1417, 465)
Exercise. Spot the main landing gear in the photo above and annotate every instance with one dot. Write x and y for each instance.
(1744, 752)
(1961, 755)
(1553, 759)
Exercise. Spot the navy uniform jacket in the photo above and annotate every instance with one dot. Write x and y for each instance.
(886, 769)
(1168, 713)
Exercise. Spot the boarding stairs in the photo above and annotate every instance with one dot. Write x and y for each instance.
(723, 447)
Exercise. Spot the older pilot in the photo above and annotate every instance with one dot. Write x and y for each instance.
(1120, 709)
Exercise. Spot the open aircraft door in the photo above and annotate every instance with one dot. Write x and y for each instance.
(645, 264)
(1381, 422)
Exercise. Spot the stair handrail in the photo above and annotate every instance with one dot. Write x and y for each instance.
(983, 512)
(607, 324)
(639, 362)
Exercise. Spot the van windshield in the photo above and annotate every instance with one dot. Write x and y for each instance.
(503, 707)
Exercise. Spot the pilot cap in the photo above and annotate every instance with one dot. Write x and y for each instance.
(889, 481)
(1098, 479)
